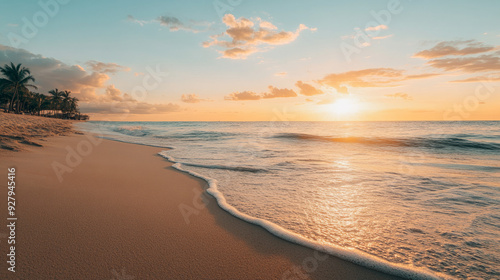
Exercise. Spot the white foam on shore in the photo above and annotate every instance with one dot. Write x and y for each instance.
(349, 254)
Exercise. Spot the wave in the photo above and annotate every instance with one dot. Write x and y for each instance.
(436, 143)
(232, 168)
(198, 135)
(348, 254)
(132, 130)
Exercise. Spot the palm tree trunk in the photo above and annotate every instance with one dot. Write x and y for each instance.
(11, 106)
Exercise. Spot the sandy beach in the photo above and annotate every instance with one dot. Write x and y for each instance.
(115, 213)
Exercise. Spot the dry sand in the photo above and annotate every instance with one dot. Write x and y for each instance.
(116, 215)
(16, 131)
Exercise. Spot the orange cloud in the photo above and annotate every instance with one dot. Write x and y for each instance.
(243, 36)
(192, 98)
(461, 48)
(478, 79)
(482, 63)
(374, 77)
(113, 101)
(401, 95)
(103, 67)
(279, 92)
(244, 95)
(274, 92)
(422, 76)
(382, 37)
(307, 89)
(376, 28)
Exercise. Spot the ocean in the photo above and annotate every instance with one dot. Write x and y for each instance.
(409, 198)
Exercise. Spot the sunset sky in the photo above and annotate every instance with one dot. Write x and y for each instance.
(242, 60)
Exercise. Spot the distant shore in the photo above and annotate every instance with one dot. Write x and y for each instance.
(97, 209)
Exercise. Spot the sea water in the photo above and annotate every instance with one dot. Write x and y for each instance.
(401, 197)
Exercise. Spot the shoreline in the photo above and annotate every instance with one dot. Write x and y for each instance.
(152, 242)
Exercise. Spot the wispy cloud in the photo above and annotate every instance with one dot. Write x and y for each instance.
(102, 67)
(273, 92)
(173, 23)
(374, 77)
(478, 79)
(244, 37)
(192, 98)
(400, 95)
(376, 28)
(458, 48)
(382, 37)
(281, 74)
(482, 63)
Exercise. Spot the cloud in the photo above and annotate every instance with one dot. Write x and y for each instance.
(243, 37)
(281, 74)
(113, 101)
(102, 67)
(129, 108)
(268, 25)
(131, 18)
(239, 53)
(192, 98)
(244, 95)
(279, 92)
(459, 48)
(482, 63)
(401, 95)
(273, 92)
(382, 37)
(373, 77)
(422, 76)
(478, 79)
(307, 89)
(51, 73)
(173, 23)
(376, 28)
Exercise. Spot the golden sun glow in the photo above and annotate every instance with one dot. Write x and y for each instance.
(345, 106)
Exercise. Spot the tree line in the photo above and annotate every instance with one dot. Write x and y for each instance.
(16, 96)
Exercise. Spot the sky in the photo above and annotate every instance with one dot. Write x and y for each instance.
(241, 60)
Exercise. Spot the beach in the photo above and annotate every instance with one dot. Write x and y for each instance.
(119, 211)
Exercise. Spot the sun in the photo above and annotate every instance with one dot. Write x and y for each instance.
(345, 106)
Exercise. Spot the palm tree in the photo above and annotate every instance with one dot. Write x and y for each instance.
(38, 102)
(66, 101)
(16, 81)
(55, 99)
(73, 105)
